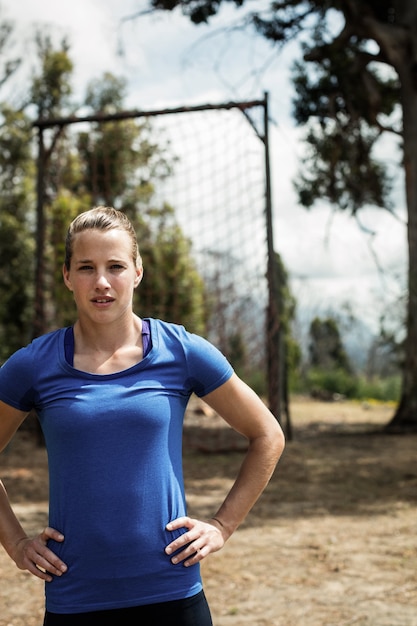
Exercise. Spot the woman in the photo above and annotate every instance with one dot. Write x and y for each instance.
(111, 393)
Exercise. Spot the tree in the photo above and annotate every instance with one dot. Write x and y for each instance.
(359, 81)
(326, 349)
(119, 158)
(50, 96)
(16, 175)
(16, 249)
(172, 287)
(330, 372)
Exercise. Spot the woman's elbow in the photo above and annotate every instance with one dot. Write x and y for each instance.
(272, 441)
(277, 439)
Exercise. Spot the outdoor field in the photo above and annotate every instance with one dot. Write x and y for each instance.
(332, 542)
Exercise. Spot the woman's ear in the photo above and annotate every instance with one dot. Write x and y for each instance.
(139, 276)
(65, 274)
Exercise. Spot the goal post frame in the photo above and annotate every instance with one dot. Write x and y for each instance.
(272, 331)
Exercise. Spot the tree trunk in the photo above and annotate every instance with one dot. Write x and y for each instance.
(405, 418)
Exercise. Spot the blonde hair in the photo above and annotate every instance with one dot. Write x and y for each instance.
(101, 218)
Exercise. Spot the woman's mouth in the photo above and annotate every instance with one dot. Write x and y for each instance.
(102, 300)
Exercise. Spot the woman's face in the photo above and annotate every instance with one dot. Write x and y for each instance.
(102, 275)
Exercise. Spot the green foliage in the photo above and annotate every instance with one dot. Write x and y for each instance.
(285, 299)
(106, 94)
(15, 296)
(376, 388)
(171, 288)
(64, 208)
(10, 63)
(342, 129)
(16, 180)
(256, 379)
(16, 164)
(339, 167)
(16, 243)
(286, 305)
(51, 88)
(121, 160)
(331, 384)
(326, 383)
(293, 359)
(326, 349)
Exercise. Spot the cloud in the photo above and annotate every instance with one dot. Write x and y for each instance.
(89, 26)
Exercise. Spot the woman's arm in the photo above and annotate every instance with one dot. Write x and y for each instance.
(238, 405)
(30, 554)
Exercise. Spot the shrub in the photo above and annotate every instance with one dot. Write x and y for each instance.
(328, 383)
(384, 389)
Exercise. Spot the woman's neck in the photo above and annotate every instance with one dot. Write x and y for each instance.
(105, 350)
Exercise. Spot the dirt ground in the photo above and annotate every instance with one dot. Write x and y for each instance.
(332, 542)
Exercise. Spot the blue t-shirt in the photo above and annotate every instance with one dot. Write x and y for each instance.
(114, 444)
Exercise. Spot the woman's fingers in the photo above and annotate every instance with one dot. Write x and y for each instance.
(199, 541)
(35, 556)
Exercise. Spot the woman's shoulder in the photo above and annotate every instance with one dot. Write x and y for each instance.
(47, 341)
(190, 343)
(165, 331)
(40, 347)
(170, 327)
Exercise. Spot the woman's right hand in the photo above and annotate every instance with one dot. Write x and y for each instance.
(35, 556)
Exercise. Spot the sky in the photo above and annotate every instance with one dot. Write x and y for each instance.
(169, 62)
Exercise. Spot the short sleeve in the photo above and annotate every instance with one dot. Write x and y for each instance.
(16, 384)
(208, 368)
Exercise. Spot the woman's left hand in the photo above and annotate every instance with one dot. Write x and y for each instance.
(199, 541)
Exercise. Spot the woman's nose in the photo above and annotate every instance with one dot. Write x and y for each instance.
(102, 282)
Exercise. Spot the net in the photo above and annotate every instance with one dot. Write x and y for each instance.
(193, 181)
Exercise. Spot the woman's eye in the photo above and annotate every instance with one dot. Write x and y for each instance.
(84, 268)
(117, 267)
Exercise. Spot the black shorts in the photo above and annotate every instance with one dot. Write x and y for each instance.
(192, 611)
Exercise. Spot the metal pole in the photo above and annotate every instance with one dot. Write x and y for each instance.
(39, 306)
(273, 323)
(125, 115)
